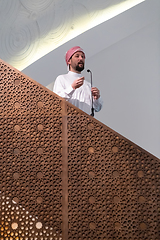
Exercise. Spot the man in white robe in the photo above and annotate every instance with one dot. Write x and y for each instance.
(73, 87)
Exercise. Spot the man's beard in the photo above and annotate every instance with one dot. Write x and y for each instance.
(78, 68)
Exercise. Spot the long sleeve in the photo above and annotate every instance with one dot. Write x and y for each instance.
(97, 104)
(60, 88)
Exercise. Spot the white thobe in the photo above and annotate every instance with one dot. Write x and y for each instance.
(80, 97)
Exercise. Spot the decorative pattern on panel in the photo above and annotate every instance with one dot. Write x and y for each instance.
(30, 159)
(113, 185)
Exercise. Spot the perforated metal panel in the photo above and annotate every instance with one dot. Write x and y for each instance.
(114, 186)
(64, 175)
(31, 159)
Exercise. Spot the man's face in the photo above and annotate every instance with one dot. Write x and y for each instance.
(76, 62)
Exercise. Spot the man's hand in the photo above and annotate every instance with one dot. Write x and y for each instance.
(95, 93)
(77, 83)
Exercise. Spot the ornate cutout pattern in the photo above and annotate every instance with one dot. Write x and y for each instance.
(113, 186)
(30, 159)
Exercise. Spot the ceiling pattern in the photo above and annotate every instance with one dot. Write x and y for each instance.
(30, 29)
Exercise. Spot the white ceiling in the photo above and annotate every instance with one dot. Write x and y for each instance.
(32, 28)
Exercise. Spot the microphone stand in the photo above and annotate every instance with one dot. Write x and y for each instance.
(92, 108)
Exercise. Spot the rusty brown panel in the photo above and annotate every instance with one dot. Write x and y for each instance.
(30, 158)
(113, 185)
(64, 175)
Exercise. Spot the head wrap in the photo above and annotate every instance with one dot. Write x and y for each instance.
(71, 51)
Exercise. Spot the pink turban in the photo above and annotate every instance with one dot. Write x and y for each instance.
(72, 51)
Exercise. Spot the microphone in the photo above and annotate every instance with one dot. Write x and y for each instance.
(92, 108)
